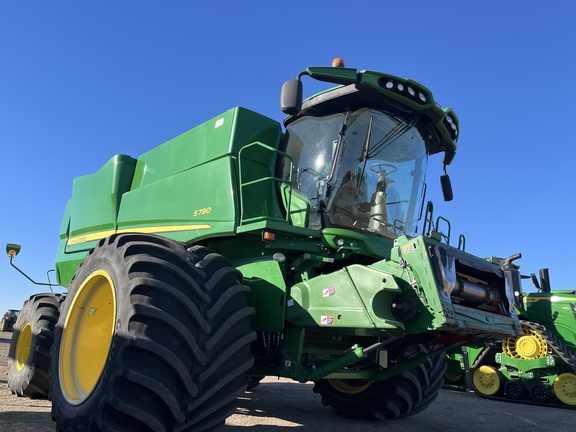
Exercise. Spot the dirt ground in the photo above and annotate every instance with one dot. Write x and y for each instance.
(282, 405)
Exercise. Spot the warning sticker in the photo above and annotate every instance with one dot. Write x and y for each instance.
(330, 291)
(327, 319)
(408, 248)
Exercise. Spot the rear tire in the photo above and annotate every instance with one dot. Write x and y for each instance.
(253, 381)
(177, 346)
(4, 326)
(402, 395)
(29, 352)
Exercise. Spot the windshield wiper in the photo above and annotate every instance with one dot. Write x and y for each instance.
(392, 136)
(341, 134)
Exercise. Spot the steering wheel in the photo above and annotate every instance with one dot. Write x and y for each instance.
(377, 168)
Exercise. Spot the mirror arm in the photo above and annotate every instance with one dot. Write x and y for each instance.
(33, 281)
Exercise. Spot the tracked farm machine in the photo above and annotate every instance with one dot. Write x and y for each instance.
(538, 366)
(241, 249)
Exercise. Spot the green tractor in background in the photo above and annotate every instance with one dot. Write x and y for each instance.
(538, 366)
(8, 320)
(240, 249)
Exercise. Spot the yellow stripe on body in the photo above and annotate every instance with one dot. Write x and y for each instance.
(553, 299)
(143, 230)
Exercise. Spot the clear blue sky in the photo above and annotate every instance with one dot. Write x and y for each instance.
(82, 81)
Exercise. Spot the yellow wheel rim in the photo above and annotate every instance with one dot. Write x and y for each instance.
(529, 346)
(452, 376)
(486, 380)
(565, 388)
(350, 386)
(87, 337)
(23, 346)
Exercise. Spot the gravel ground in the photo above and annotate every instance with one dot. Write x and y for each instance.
(282, 405)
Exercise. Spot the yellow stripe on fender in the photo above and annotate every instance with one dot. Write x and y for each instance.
(552, 299)
(144, 230)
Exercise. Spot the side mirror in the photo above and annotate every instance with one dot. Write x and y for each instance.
(446, 187)
(12, 249)
(291, 97)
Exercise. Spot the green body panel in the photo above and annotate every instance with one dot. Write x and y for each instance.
(164, 192)
(102, 193)
(355, 242)
(267, 294)
(555, 310)
(529, 372)
(299, 208)
(358, 298)
(223, 135)
(161, 204)
(516, 368)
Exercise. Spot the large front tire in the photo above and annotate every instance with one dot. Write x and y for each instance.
(401, 395)
(29, 352)
(152, 337)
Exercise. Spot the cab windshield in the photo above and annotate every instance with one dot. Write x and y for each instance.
(361, 170)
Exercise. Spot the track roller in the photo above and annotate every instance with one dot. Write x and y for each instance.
(565, 388)
(486, 380)
(513, 390)
(539, 393)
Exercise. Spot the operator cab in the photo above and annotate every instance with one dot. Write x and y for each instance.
(362, 169)
(359, 151)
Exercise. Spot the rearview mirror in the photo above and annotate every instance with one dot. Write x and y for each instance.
(446, 187)
(291, 97)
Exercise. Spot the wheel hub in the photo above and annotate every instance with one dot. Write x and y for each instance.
(486, 380)
(87, 337)
(23, 346)
(565, 388)
(350, 386)
(529, 346)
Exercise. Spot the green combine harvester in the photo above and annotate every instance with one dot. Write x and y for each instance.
(241, 249)
(536, 367)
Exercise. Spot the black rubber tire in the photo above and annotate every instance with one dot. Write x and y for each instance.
(401, 395)
(253, 381)
(180, 345)
(4, 326)
(29, 377)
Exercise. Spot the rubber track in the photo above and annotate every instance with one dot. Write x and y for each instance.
(557, 347)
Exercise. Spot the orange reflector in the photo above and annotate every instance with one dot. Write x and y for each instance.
(267, 235)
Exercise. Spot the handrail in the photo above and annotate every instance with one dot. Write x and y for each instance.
(278, 180)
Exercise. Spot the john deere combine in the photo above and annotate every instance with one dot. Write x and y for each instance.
(241, 249)
(536, 367)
